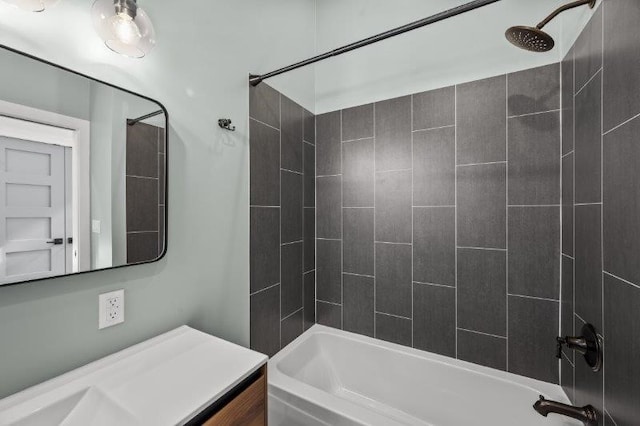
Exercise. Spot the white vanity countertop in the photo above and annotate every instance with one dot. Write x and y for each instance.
(166, 380)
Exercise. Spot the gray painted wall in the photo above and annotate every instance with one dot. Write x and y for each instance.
(282, 230)
(438, 221)
(601, 207)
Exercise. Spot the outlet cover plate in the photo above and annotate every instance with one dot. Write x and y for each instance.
(110, 309)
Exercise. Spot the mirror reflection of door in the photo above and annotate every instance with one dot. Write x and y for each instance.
(33, 209)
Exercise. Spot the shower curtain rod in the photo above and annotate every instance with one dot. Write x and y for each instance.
(133, 121)
(255, 79)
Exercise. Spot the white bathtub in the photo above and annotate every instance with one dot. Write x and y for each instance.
(331, 377)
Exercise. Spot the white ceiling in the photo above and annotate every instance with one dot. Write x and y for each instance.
(463, 48)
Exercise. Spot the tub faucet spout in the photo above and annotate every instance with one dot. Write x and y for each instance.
(586, 414)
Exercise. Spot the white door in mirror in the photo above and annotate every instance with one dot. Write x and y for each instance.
(110, 309)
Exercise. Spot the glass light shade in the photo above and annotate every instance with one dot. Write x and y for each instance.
(32, 5)
(128, 35)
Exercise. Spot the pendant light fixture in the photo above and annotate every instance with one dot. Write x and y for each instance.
(31, 5)
(124, 27)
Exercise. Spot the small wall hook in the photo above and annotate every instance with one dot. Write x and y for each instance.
(225, 123)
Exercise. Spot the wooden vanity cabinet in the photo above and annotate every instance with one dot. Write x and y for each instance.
(245, 405)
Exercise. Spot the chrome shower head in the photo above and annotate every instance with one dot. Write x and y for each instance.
(534, 39)
(530, 38)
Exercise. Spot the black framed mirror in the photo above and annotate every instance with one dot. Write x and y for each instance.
(83, 173)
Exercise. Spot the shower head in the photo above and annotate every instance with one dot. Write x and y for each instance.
(530, 38)
(534, 39)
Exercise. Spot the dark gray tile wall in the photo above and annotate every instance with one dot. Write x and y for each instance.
(600, 269)
(443, 207)
(145, 185)
(282, 219)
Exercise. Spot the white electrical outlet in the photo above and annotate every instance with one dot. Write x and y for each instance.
(110, 309)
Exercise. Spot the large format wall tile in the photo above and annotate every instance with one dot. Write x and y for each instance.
(142, 204)
(328, 144)
(357, 122)
(567, 308)
(434, 167)
(621, 204)
(481, 121)
(358, 241)
(291, 285)
(291, 327)
(264, 245)
(434, 320)
(329, 314)
(434, 245)
(588, 266)
(359, 309)
(588, 51)
(291, 210)
(588, 385)
(621, 62)
(567, 103)
(393, 329)
(588, 143)
(534, 90)
(309, 299)
(534, 251)
(309, 239)
(309, 127)
(291, 135)
(264, 105)
(482, 349)
(435, 108)
(393, 206)
(329, 270)
(329, 207)
(533, 327)
(358, 173)
(265, 321)
(309, 175)
(534, 163)
(567, 204)
(481, 205)
(264, 145)
(482, 291)
(393, 134)
(622, 369)
(393, 279)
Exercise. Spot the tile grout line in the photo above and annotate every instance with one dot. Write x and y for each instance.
(341, 222)
(506, 277)
(621, 124)
(524, 296)
(264, 289)
(449, 126)
(263, 123)
(561, 236)
(412, 224)
(531, 113)
(392, 315)
(588, 81)
(375, 281)
(621, 279)
(488, 163)
(482, 333)
(292, 314)
(280, 213)
(433, 284)
(602, 195)
(573, 210)
(455, 213)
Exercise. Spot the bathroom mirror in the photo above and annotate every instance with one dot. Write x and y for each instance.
(82, 173)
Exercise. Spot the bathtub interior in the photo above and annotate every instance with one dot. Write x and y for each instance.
(410, 388)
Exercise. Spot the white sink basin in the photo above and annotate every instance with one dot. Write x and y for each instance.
(166, 380)
(87, 407)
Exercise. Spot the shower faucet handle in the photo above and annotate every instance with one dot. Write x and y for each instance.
(587, 345)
